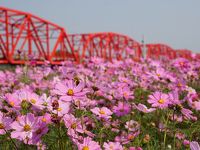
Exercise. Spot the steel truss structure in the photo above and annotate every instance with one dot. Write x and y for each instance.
(25, 37)
(162, 51)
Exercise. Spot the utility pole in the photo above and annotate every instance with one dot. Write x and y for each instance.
(143, 47)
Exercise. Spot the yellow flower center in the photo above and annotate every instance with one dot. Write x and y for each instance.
(85, 148)
(70, 92)
(27, 128)
(111, 147)
(2, 126)
(180, 106)
(125, 94)
(33, 101)
(44, 119)
(131, 137)
(125, 80)
(158, 74)
(45, 104)
(12, 103)
(161, 101)
(102, 112)
(190, 90)
(59, 109)
(181, 63)
(73, 126)
(180, 85)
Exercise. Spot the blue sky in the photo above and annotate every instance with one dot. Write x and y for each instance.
(172, 22)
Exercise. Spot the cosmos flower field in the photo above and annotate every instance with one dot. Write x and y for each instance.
(123, 105)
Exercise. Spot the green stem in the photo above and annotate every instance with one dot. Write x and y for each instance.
(60, 145)
(165, 135)
(174, 140)
(15, 146)
(101, 135)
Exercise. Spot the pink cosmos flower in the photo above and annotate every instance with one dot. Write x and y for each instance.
(178, 118)
(25, 95)
(132, 125)
(4, 123)
(42, 129)
(143, 108)
(24, 127)
(41, 146)
(82, 103)
(190, 90)
(158, 99)
(36, 101)
(73, 124)
(194, 145)
(155, 63)
(88, 144)
(45, 101)
(186, 142)
(122, 109)
(112, 146)
(46, 118)
(18, 99)
(59, 107)
(180, 84)
(188, 114)
(125, 138)
(194, 101)
(135, 148)
(12, 100)
(158, 74)
(125, 80)
(180, 136)
(103, 112)
(69, 91)
(174, 98)
(196, 105)
(181, 63)
(124, 92)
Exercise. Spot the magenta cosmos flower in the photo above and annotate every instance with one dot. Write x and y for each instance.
(73, 124)
(20, 99)
(187, 113)
(132, 125)
(124, 92)
(103, 112)
(158, 74)
(12, 100)
(69, 91)
(194, 145)
(4, 123)
(143, 108)
(112, 146)
(59, 107)
(159, 99)
(122, 109)
(89, 144)
(42, 129)
(24, 127)
(181, 63)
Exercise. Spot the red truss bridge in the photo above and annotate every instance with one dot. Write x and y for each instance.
(162, 51)
(23, 35)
